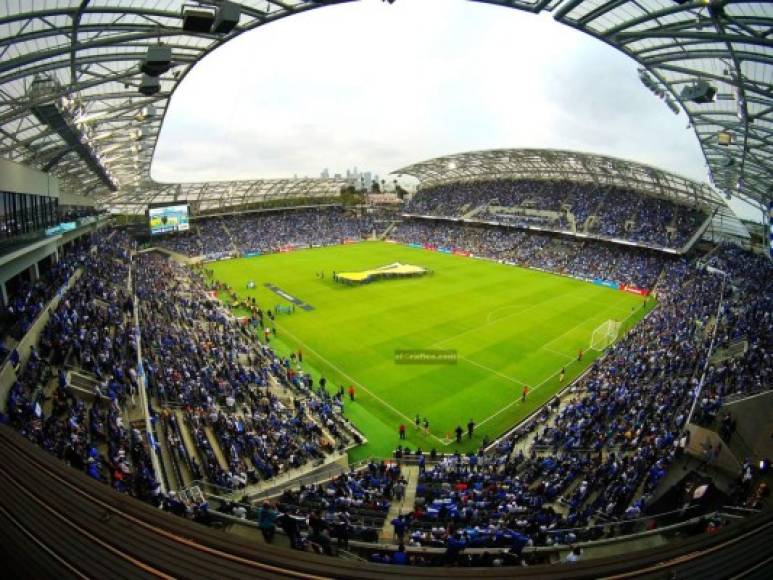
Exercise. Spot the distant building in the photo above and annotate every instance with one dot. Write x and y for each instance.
(355, 177)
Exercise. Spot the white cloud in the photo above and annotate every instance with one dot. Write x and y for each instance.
(381, 86)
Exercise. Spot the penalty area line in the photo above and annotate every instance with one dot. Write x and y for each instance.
(516, 401)
(484, 367)
(353, 380)
(558, 352)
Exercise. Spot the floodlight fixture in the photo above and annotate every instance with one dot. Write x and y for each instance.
(55, 113)
(197, 19)
(700, 92)
(149, 85)
(226, 18)
(724, 138)
(158, 60)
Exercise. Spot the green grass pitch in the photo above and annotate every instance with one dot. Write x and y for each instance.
(509, 326)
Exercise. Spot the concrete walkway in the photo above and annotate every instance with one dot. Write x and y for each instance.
(215, 444)
(187, 438)
(411, 475)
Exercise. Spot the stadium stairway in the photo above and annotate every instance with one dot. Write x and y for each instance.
(283, 392)
(215, 444)
(590, 223)
(411, 475)
(475, 210)
(83, 384)
(175, 479)
(392, 225)
(698, 234)
(708, 254)
(230, 236)
(48, 387)
(572, 221)
(132, 409)
(187, 440)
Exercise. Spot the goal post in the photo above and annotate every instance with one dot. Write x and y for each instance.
(604, 335)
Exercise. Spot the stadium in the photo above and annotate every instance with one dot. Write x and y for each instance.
(535, 362)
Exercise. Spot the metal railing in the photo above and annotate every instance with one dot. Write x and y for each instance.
(692, 526)
(627, 527)
(143, 396)
(276, 486)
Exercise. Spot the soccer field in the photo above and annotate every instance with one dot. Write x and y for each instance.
(509, 327)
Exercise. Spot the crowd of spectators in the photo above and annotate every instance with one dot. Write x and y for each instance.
(353, 505)
(584, 259)
(743, 360)
(596, 457)
(200, 359)
(600, 455)
(562, 205)
(29, 297)
(90, 331)
(270, 231)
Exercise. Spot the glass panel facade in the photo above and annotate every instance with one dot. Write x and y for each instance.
(24, 213)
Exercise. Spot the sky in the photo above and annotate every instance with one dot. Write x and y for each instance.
(381, 86)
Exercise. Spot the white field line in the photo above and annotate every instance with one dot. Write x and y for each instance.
(477, 328)
(490, 322)
(558, 352)
(610, 307)
(622, 322)
(351, 379)
(518, 400)
(487, 419)
(484, 367)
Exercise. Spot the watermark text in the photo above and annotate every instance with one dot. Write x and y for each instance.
(425, 357)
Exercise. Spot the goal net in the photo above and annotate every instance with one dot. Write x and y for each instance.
(604, 335)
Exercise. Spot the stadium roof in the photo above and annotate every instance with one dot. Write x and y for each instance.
(677, 43)
(89, 52)
(218, 194)
(556, 164)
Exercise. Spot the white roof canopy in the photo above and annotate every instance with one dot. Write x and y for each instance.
(91, 51)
